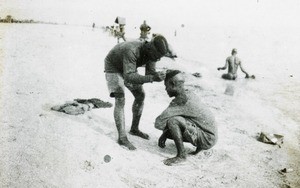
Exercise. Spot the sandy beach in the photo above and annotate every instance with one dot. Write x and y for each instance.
(43, 65)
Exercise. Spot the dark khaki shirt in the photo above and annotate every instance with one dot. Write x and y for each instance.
(125, 58)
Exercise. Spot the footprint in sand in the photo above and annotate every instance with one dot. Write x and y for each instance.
(205, 154)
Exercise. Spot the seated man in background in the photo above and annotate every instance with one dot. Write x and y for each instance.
(233, 63)
(185, 120)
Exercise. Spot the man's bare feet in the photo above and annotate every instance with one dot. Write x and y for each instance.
(139, 133)
(196, 151)
(125, 142)
(174, 160)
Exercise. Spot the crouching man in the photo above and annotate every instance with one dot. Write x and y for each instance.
(185, 120)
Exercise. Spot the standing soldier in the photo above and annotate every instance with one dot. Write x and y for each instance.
(121, 65)
(145, 30)
(121, 33)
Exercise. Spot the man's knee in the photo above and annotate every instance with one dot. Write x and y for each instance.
(175, 122)
(224, 76)
(117, 94)
(120, 100)
(228, 76)
(139, 95)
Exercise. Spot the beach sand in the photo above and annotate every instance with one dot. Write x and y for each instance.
(46, 65)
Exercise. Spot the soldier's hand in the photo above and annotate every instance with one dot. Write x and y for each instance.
(219, 68)
(247, 76)
(159, 76)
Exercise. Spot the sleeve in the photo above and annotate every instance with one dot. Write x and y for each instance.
(150, 68)
(130, 70)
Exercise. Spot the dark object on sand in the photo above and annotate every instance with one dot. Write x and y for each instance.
(274, 139)
(73, 108)
(197, 74)
(107, 158)
(80, 106)
(286, 170)
(96, 102)
(252, 76)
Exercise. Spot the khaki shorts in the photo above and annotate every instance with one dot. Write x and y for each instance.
(116, 85)
(196, 136)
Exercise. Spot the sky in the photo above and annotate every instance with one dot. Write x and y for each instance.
(167, 12)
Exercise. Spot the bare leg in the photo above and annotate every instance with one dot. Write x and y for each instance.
(137, 110)
(176, 126)
(123, 37)
(163, 138)
(228, 77)
(195, 152)
(120, 123)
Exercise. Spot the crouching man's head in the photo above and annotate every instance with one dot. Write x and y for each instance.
(174, 83)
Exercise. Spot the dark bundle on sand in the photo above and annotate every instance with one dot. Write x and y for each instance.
(80, 106)
(96, 102)
(197, 74)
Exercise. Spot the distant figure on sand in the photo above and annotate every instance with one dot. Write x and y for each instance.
(233, 62)
(185, 120)
(121, 65)
(121, 33)
(145, 30)
(120, 30)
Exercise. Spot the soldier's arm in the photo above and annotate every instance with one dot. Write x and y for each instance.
(150, 68)
(130, 71)
(243, 70)
(225, 66)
